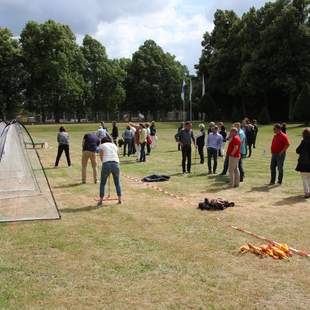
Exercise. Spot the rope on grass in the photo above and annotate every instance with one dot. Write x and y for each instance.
(154, 187)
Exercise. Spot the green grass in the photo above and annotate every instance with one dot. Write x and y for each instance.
(156, 252)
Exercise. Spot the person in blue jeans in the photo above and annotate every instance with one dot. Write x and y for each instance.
(280, 144)
(108, 153)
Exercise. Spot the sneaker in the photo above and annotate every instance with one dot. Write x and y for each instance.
(271, 183)
(307, 196)
(100, 204)
(279, 182)
(119, 202)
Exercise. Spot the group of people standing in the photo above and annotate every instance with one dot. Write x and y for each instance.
(241, 140)
(214, 139)
(137, 138)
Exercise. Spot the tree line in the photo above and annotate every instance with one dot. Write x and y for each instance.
(256, 65)
(45, 71)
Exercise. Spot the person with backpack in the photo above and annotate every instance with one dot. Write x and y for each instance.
(63, 146)
(303, 165)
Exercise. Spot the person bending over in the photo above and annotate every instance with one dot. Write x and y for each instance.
(108, 153)
(90, 144)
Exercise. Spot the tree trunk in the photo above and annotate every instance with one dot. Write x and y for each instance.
(291, 107)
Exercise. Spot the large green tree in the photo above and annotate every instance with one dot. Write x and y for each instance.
(12, 75)
(259, 62)
(103, 76)
(302, 107)
(154, 80)
(54, 63)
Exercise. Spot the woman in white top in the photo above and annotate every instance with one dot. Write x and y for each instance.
(109, 156)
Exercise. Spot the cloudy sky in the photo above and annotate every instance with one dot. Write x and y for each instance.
(122, 25)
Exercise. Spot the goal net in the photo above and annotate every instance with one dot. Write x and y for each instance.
(25, 193)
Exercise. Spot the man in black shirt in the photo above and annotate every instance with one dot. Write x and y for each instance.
(114, 132)
(185, 138)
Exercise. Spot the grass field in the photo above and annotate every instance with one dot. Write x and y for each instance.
(154, 252)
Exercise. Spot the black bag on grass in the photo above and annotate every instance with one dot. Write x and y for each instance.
(156, 178)
(215, 204)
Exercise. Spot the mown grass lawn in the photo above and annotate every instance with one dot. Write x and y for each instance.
(155, 252)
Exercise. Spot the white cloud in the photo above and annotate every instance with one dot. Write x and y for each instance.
(170, 28)
(123, 25)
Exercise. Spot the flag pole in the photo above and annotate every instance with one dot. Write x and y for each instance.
(190, 100)
(183, 99)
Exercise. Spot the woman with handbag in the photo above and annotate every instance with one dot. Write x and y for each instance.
(303, 165)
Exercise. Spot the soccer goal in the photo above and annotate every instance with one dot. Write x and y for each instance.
(25, 193)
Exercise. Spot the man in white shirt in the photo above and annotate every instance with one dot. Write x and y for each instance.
(214, 143)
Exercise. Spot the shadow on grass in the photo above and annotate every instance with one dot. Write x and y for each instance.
(77, 210)
(68, 185)
(177, 174)
(128, 162)
(290, 200)
(220, 188)
(264, 188)
(53, 168)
